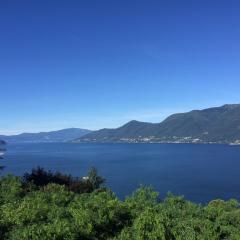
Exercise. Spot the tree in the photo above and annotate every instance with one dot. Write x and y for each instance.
(95, 180)
(39, 177)
(2, 143)
(53, 211)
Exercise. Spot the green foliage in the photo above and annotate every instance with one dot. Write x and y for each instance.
(40, 178)
(142, 198)
(99, 215)
(53, 211)
(95, 180)
(10, 188)
(2, 150)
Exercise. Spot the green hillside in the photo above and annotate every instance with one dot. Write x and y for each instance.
(219, 124)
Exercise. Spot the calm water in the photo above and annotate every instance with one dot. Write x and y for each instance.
(199, 172)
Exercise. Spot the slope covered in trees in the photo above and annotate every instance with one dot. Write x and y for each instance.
(52, 209)
(218, 124)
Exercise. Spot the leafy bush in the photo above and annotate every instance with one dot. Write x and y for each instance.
(48, 208)
(40, 177)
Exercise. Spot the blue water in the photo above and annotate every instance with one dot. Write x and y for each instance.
(199, 172)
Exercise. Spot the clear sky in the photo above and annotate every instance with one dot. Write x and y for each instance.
(95, 64)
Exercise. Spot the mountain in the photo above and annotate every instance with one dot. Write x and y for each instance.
(63, 135)
(217, 125)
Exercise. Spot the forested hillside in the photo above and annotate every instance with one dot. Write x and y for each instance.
(44, 206)
(218, 125)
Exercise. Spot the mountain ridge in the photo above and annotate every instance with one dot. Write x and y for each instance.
(210, 125)
(63, 135)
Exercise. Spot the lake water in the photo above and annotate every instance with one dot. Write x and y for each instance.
(199, 172)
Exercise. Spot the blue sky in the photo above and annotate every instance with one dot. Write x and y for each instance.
(95, 64)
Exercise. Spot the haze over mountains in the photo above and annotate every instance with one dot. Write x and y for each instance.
(63, 135)
(212, 125)
(217, 125)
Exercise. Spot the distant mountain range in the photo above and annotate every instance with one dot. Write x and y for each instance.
(212, 125)
(63, 135)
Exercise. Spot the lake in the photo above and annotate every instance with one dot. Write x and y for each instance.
(199, 172)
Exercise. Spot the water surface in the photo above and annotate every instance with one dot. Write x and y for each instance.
(199, 172)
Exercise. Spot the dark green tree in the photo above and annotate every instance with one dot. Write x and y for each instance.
(2, 150)
(95, 180)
